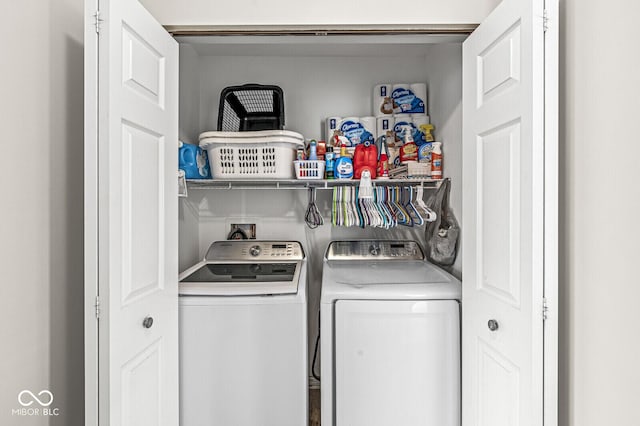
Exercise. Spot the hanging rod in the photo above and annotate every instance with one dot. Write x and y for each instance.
(302, 184)
(319, 30)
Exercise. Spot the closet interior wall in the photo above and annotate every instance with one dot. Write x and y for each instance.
(318, 81)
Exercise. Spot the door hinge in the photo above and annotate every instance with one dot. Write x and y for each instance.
(97, 21)
(96, 305)
(545, 309)
(545, 20)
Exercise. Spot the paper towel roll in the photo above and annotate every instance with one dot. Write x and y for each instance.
(419, 119)
(420, 91)
(405, 101)
(351, 129)
(331, 124)
(382, 103)
(369, 123)
(394, 157)
(397, 95)
(384, 126)
(401, 121)
(358, 129)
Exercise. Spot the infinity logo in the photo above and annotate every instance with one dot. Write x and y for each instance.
(44, 403)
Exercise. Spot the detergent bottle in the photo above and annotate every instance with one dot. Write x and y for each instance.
(194, 161)
(343, 168)
(365, 157)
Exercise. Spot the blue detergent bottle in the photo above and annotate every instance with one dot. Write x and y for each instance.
(343, 168)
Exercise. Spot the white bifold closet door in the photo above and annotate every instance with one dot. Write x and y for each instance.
(503, 218)
(134, 216)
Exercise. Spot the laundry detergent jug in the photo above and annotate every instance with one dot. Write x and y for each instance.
(365, 157)
(194, 161)
(343, 167)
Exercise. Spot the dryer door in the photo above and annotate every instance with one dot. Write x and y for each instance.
(397, 362)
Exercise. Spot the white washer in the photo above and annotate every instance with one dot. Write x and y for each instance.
(243, 336)
(390, 337)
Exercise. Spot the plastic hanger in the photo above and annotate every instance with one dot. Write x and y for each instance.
(389, 206)
(360, 219)
(401, 214)
(429, 214)
(376, 205)
(416, 218)
(337, 206)
(345, 206)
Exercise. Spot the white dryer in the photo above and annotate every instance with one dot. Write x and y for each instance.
(243, 336)
(390, 337)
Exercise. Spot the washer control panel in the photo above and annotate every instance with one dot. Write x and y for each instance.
(374, 250)
(253, 250)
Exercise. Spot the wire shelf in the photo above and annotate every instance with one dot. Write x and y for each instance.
(229, 184)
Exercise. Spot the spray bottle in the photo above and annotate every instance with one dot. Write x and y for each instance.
(426, 129)
(436, 161)
(408, 151)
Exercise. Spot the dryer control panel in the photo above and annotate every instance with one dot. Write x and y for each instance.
(254, 251)
(387, 250)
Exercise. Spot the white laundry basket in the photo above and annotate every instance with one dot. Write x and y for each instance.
(248, 155)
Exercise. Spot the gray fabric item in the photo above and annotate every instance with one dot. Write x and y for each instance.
(442, 234)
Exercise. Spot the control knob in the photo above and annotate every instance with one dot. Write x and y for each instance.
(254, 250)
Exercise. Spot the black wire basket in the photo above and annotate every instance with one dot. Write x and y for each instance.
(251, 107)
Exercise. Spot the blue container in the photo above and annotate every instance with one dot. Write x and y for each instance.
(194, 161)
(343, 168)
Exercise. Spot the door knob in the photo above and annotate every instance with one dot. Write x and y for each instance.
(147, 322)
(493, 325)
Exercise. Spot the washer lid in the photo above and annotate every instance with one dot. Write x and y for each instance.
(240, 278)
(398, 280)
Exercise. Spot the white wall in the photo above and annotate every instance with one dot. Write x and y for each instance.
(600, 201)
(444, 68)
(41, 211)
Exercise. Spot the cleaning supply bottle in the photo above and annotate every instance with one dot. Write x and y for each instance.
(383, 166)
(329, 163)
(313, 150)
(343, 168)
(383, 157)
(436, 161)
(427, 129)
(409, 150)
